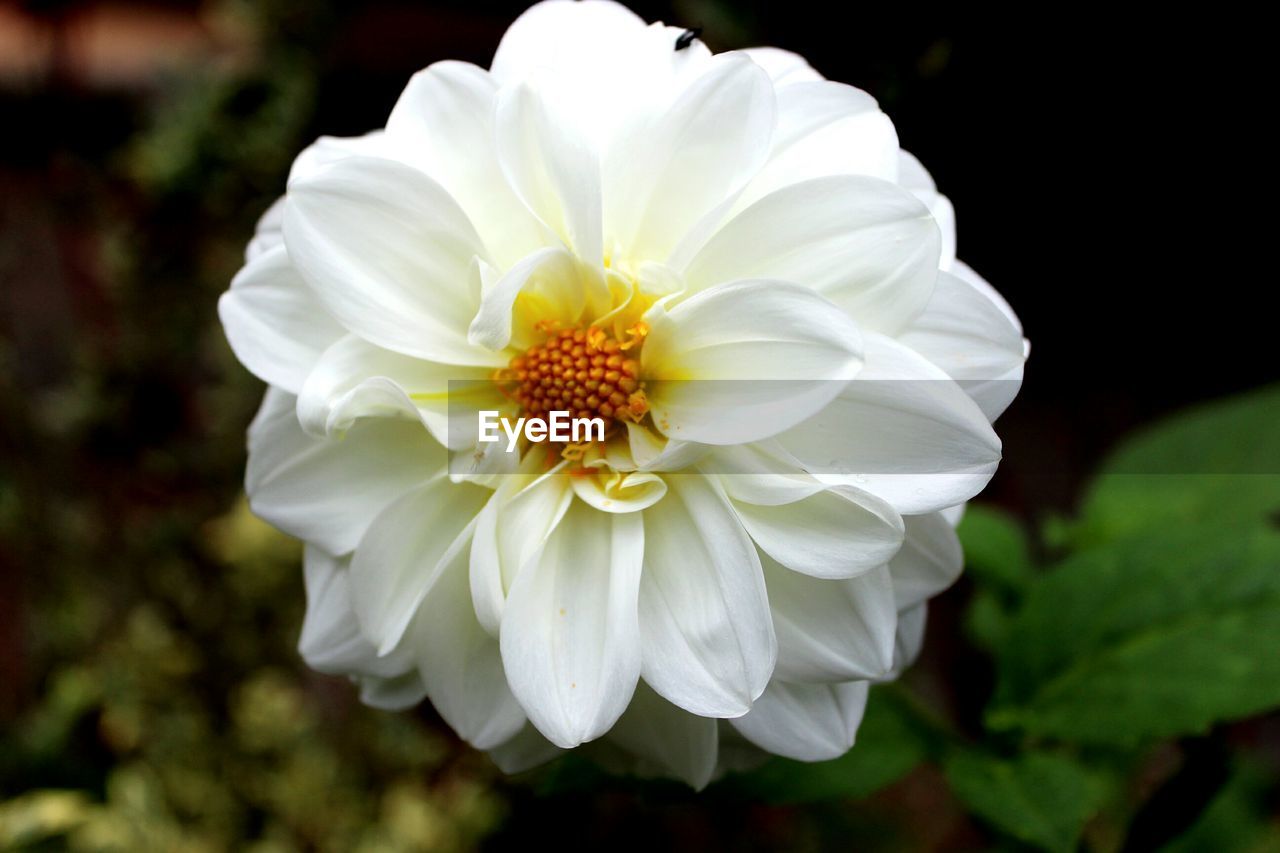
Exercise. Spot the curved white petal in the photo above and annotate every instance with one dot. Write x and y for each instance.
(783, 67)
(742, 361)
(913, 176)
(573, 38)
(328, 491)
(667, 739)
(510, 531)
(865, 244)
(551, 270)
(268, 233)
(807, 722)
(460, 663)
(570, 639)
(331, 641)
(964, 332)
(670, 167)
(911, 625)
(392, 694)
(902, 430)
(708, 640)
(276, 326)
(524, 751)
(831, 630)
(390, 254)
(930, 560)
(550, 163)
(328, 150)
(445, 116)
(404, 551)
(613, 491)
(835, 533)
(356, 379)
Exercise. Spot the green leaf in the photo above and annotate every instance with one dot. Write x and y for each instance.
(1237, 819)
(1220, 461)
(1156, 635)
(995, 548)
(890, 744)
(1038, 798)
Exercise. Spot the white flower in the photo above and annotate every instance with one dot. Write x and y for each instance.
(736, 563)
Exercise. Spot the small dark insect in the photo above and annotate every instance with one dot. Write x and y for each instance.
(686, 38)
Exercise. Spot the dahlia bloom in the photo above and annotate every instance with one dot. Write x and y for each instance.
(730, 262)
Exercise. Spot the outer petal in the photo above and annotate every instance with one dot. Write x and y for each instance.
(667, 740)
(389, 253)
(903, 430)
(671, 167)
(930, 560)
(865, 244)
(913, 176)
(446, 117)
(911, 625)
(328, 491)
(392, 694)
(807, 722)
(331, 640)
(831, 630)
(966, 334)
(834, 533)
(709, 645)
(782, 66)
(740, 362)
(404, 551)
(355, 379)
(526, 750)
(566, 37)
(267, 234)
(459, 661)
(276, 326)
(570, 638)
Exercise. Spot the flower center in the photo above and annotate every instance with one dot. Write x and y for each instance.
(584, 371)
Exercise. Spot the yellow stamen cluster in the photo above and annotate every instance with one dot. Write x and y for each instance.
(585, 372)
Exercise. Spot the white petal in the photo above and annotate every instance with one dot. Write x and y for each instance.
(550, 164)
(528, 749)
(667, 739)
(611, 491)
(782, 66)
(276, 326)
(807, 722)
(389, 253)
(831, 630)
(930, 560)
(328, 491)
(967, 334)
(902, 430)
(913, 176)
(331, 640)
(446, 117)
(865, 244)
(328, 150)
(742, 361)
(911, 624)
(355, 379)
(670, 167)
(573, 38)
(460, 662)
(510, 531)
(552, 269)
(835, 533)
(822, 132)
(404, 551)
(268, 233)
(570, 639)
(709, 645)
(392, 694)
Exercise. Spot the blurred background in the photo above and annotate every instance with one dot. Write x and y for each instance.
(150, 695)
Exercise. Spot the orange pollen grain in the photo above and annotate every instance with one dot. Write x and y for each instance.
(585, 372)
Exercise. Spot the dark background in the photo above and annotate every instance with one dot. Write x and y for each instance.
(1108, 168)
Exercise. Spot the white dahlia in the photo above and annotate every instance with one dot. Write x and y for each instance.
(729, 261)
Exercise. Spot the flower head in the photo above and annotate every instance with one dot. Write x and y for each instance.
(728, 261)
